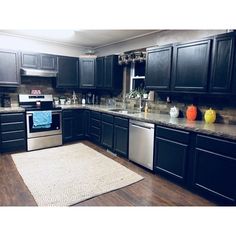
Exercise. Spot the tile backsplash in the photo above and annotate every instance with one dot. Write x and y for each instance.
(225, 106)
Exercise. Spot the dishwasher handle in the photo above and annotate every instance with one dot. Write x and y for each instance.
(141, 126)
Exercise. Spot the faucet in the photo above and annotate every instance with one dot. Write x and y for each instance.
(124, 103)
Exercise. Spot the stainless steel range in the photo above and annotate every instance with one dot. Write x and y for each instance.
(39, 137)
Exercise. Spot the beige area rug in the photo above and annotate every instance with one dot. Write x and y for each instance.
(66, 175)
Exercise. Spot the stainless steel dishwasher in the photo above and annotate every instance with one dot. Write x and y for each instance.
(141, 141)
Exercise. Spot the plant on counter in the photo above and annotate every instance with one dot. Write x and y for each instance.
(136, 93)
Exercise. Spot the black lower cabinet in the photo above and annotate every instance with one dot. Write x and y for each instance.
(107, 131)
(86, 124)
(79, 124)
(121, 136)
(171, 153)
(95, 127)
(13, 132)
(72, 123)
(214, 168)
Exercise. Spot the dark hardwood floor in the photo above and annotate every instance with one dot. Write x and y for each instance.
(152, 191)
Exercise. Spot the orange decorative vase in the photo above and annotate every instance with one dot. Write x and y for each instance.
(191, 113)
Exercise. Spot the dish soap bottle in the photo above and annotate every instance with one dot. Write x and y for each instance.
(146, 108)
(83, 101)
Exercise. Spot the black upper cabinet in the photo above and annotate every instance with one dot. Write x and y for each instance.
(9, 69)
(48, 62)
(191, 66)
(158, 68)
(68, 72)
(30, 60)
(222, 63)
(87, 72)
(100, 72)
(38, 61)
(109, 74)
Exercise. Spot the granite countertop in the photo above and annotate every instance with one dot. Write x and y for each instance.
(219, 130)
(11, 109)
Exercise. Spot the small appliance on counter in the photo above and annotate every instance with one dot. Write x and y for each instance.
(6, 100)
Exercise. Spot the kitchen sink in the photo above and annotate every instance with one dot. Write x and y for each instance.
(124, 111)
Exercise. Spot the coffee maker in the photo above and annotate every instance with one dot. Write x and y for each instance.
(5, 100)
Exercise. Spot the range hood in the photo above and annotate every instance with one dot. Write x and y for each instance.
(38, 73)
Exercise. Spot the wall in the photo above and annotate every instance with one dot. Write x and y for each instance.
(158, 38)
(25, 44)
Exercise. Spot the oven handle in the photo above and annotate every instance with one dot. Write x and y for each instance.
(30, 113)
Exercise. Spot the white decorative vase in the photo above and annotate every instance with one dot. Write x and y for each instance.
(174, 112)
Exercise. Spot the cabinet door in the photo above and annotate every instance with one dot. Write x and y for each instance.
(215, 174)
(170, 158)
(87, 75)
(68, 76)
(78, 124)
(9, 69)
(222, 64)
(87, 123)
(13, 132)
(48, 62)
(68, 128)
(107, 135)
(99, 72)
(158, 68)
(191, 65)
(108, 72)
(121, 137)
(30, 60)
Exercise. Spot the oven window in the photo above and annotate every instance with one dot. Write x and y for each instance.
(55, 125)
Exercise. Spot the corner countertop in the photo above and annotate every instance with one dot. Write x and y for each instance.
(220, 130)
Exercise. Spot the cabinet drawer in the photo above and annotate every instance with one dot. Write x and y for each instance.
(12, 126)
(12, 135)
(172, 134)
(67, 113)
(216, 145)
(13, 145)
(107, 118)
(121, 121)
(96, 115)
(96, 123)
(95, 130)
(12, 117)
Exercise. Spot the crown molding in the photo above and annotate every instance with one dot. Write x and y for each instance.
(127, 39)
(45, 40)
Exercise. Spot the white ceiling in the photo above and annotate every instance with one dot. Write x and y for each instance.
(81, 38)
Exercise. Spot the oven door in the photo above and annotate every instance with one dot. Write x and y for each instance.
(54, 129)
